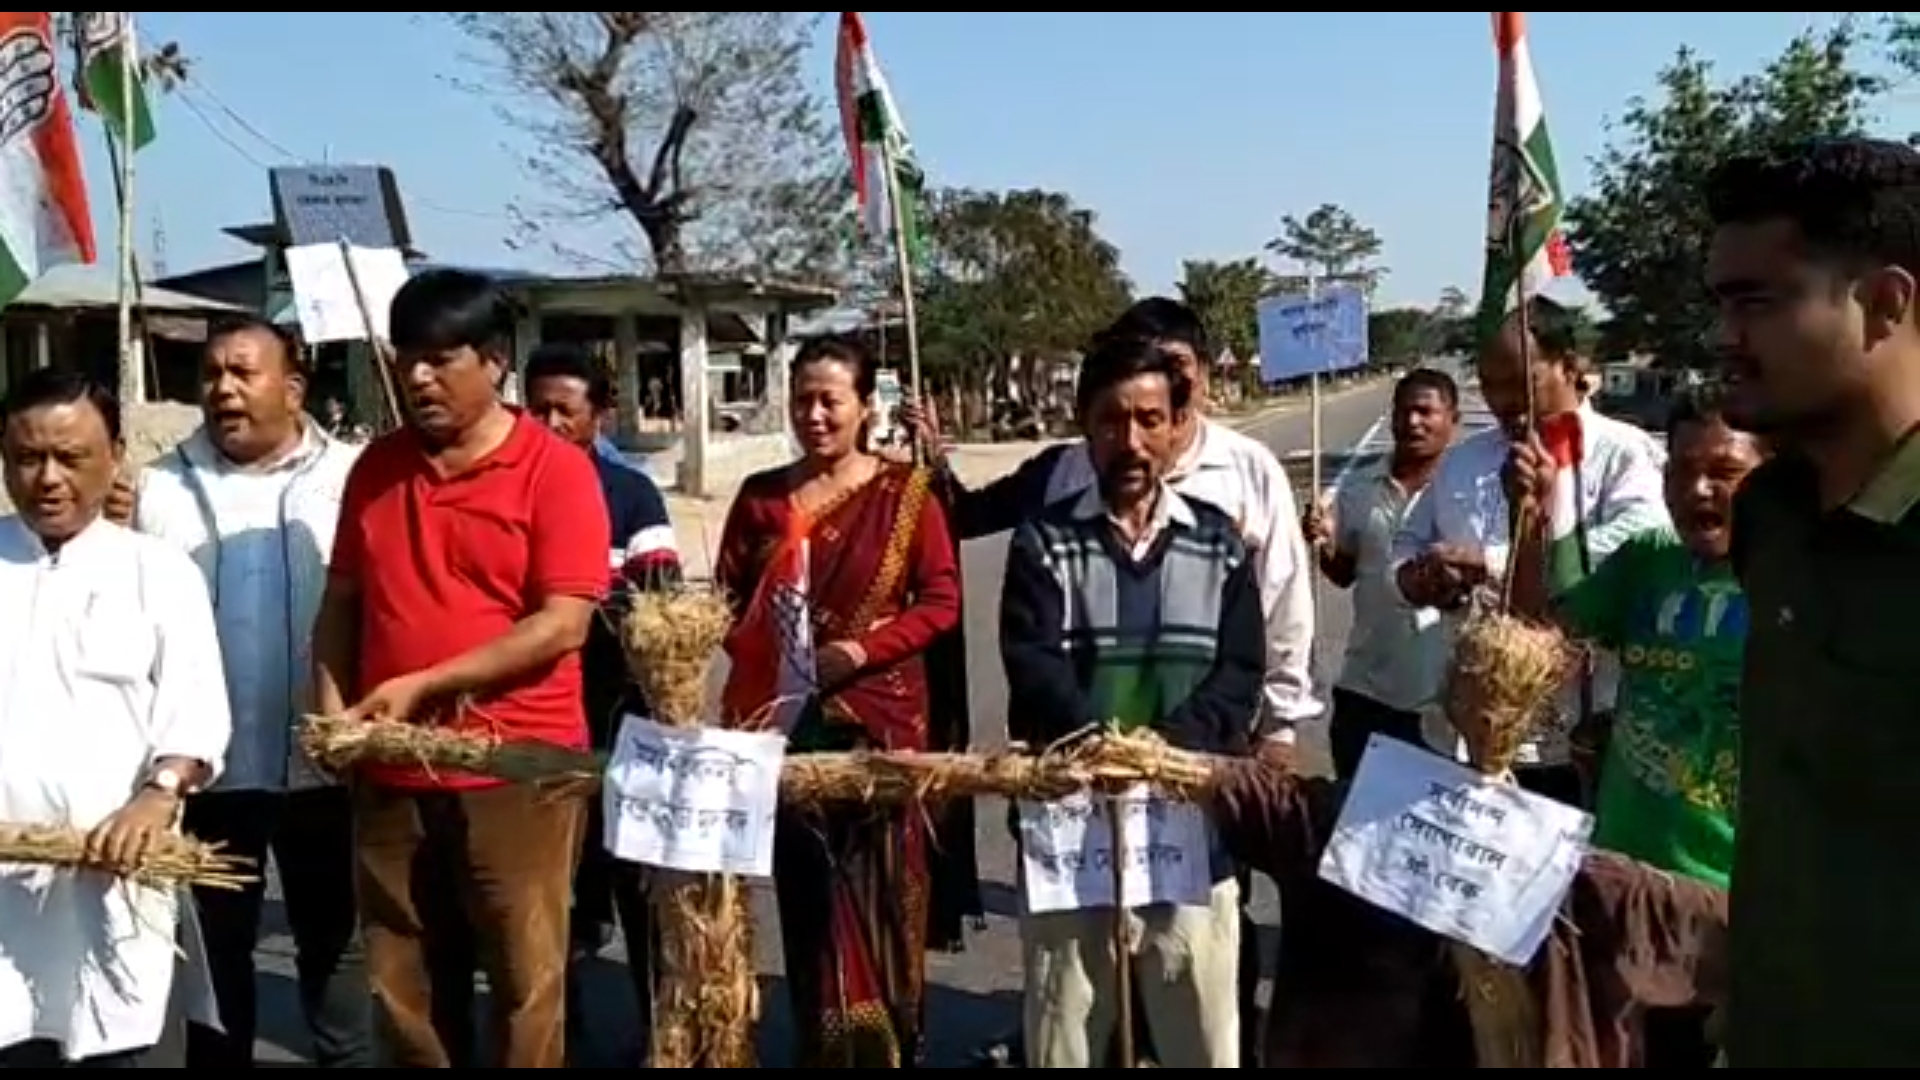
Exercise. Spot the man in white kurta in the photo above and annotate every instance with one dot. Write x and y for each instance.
(112, 708)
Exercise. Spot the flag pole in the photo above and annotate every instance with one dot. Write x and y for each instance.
(909, 321)
(132, 371)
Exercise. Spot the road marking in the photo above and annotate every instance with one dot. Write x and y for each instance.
(1353, 456)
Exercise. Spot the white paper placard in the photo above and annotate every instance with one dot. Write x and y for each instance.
(697, 799)
(323, 292)
(1462, 854)
(1066, 852)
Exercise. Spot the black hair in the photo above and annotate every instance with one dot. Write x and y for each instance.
(1853, 199)
(1161, 318)
(1114, 360)
(1433, 379)
(566, 360)
(840, 349)
(46, 387)
(450, 309)
(1555, 329)
(291, 354)
(1698, 407)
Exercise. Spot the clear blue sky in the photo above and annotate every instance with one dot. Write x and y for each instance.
(1190, 134)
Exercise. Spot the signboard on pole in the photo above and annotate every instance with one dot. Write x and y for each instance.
(327, 204)
(1320, 334)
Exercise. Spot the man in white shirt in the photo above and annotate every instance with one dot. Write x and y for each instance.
(111, 711)
(253, 496)
(1392, 663)
(1457, 539)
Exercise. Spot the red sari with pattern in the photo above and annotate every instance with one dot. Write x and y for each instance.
(874, 566)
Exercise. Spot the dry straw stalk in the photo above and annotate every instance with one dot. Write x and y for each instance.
(339, 744)
(707, 998)
(171, 862)
(896, 778)
(1505, 674)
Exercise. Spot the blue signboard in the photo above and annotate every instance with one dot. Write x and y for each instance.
(1316, 335)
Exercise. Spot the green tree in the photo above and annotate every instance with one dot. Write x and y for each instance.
(1403, 335)
(1331, 244)
(1640, 236)
(701, 129)
(1006, 274)
(1227, 297)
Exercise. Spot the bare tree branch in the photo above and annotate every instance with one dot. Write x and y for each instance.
(698, 128)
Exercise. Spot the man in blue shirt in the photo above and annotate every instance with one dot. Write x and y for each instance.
(566, 391)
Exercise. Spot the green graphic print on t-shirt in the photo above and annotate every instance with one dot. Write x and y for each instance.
(1670, 782)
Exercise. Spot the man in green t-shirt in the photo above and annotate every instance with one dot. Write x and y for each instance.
(1668, 606)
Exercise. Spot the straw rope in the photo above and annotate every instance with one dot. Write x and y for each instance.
(172, 860)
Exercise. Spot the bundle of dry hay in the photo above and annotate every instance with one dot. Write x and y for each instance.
(171, 862)
(1501, 683)
(706, 998)
(338, 744)
(900, 778)
(671, 638)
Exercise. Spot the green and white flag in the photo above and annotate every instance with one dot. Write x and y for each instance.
(886, 178)
(44, 218)
(110, 82)
(1525, 248)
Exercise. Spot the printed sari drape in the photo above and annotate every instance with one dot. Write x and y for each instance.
(876, 567)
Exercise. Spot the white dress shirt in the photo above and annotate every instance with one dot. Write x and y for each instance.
(108, 662)
(1242, 478)
(1622, 494)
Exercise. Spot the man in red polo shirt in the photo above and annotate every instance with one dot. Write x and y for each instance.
(471, 552)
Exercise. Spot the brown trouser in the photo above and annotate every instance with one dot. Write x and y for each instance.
(440, 870)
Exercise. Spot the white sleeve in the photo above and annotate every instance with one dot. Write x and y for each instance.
(1634, 500)
(1286, 596)
(190, 716)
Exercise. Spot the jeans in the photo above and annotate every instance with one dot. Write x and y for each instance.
(310, 837)
(441, 873)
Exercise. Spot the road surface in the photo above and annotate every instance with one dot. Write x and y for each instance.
(973, 995)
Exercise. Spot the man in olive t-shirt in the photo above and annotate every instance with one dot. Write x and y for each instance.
(1815, 265)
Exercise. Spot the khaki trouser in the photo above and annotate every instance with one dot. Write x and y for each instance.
(1185, 964)
(448, 878)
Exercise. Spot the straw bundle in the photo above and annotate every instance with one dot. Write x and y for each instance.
(897, 778)
(171, 862)
(338, 744)
(707, 997)
(670, 639)
(1502, 681)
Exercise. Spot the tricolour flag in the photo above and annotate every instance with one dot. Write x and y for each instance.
(110, 82)
(1525, 248)
(1565, 441)
(44, 219)
(886, 179)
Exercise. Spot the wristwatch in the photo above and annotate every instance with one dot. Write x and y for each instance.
(168, 781)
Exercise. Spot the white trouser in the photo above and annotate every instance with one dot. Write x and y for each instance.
(1186, 964)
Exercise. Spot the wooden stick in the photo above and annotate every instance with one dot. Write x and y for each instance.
(1122, 946)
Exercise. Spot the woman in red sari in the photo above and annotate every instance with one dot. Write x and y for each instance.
(843, 572)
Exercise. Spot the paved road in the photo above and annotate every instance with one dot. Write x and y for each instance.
(975, 994)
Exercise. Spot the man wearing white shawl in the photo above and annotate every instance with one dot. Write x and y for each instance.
(112, 708)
